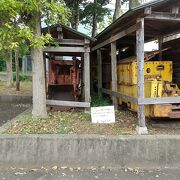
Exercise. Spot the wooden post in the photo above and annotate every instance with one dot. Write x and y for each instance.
(45, 74)
(175, 9)
(82, 77)
(160, 42)
(99, 59)
(60, 33)
(17, 70)
(114, 71)
(87, 77)
(91, 76)
(141, 128)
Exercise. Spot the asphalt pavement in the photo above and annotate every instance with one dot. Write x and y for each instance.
(88, 174)
(9, 111)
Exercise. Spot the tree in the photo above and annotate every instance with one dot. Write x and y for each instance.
(6, 49)
(35, 10)
(94, 13)
(74, 6)
(117, 11)
(134, 3)
(9, 70)
(8, 10)
(30, 14)
(19, 53)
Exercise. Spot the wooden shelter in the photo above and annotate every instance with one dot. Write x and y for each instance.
(71, 43)
(152, 21)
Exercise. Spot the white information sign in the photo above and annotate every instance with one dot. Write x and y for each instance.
(103, 114)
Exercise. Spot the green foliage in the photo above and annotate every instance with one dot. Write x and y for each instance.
(9, 9)
(22, 77)
(18, 19)
(91, 8)
(103, 24)
(74, 6)
(97, 101)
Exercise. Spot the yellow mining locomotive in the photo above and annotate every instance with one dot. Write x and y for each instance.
(158, 83)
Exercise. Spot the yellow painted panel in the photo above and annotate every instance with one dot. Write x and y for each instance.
(161, 110)
(153, 70)
(152, 89)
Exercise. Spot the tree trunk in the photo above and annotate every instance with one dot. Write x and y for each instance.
(9, 69)
(94, 28)
(38, 76)
(134, 3)
(76, 17)
(117, 11)
(17, 70)
(75, 14)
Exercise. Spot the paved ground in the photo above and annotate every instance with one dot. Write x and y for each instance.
(9, 111)
(101, 174)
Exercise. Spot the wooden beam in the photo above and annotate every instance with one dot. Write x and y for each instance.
(117, 36)
(114, 71)
(72, 42)
(160, 42)
(163, 100)
(67, 103)
(163, 16)
(119, 95)
(99, 59)
(104, 49)
(140, 71)
(66, 49)
(87, 77)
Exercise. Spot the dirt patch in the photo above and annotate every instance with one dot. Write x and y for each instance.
(25, 89)
(78, 122)
(71, 122)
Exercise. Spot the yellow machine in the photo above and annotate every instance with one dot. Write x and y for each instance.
(158, 83)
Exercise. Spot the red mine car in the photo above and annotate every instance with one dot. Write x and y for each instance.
(64, 79)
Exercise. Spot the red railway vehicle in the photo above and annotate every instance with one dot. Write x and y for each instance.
(64, 81)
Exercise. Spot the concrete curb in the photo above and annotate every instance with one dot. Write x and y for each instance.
(15, 99)
(90, 150)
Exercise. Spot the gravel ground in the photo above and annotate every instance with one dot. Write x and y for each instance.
(9, 111)
(88, 174)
